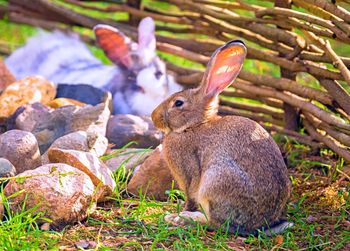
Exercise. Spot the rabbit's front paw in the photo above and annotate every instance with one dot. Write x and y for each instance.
(186, 217)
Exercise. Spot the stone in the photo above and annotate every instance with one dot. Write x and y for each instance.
(21, 149)
(63, 193)
(27, 116)
(59, 102)
(82, 92)
(50, 124)
(128, 157)
(89, 118)
(153, 177)
(90, 164)
(6, 169)
(26, 91)
(85, 244)
(80, 141)
(6, 77)
(124, 128)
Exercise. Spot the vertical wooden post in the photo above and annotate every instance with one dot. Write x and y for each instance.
(291, 114)
(134, 21)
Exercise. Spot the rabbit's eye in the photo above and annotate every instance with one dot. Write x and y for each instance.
(158, 74)
(178, 103)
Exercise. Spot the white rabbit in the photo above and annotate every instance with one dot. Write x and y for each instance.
(138, 81)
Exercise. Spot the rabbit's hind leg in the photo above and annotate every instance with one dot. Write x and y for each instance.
(186, 218)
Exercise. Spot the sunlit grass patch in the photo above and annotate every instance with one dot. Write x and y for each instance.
(20, 231)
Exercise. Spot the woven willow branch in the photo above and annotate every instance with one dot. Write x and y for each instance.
(296, 42)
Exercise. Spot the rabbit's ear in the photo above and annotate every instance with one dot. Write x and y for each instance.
(147, 39)
(114, 43)
(223, 67)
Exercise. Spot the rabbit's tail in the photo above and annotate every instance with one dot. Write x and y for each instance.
(269, 231)
(278, 228)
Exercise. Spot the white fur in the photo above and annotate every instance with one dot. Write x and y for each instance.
(60, 58)
(154, 93)
(63, 58)
(147, 40)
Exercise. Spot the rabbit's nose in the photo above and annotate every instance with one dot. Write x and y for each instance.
(141, 89)
(138, 88)
(158, 119)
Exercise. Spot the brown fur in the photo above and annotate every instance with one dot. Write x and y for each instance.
(230, 167)
(153, 177)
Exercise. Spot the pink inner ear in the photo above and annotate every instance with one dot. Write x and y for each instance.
(225, 68)
(146, 31)
(114, 44)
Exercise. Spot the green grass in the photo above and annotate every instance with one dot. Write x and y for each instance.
(319, 210)
(19, 230)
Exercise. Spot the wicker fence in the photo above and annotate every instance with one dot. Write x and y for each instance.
(311, 90)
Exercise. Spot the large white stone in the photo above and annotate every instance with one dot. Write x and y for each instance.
(80, 141)
(64, 193)
(90, 164)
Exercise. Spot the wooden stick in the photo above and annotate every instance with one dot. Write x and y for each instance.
(311, 27)
(234, 18)
(291, 113)
(182, 52)
(257, 54)
(303, 16)
(190, 80)
(295, 66)
(304, 139)
(304, 55)
(287, 85)
(253, 108)
(313, 9)
(188, 14)
(247, 34)
(277, 11)
(337, 62)
(321, 58)
(342, 26)
(290, 39)
(181, 70)
(295, 101)
(239, 94)
(132, 11)
(48, 25)
(331, 8)
(338, 93)
(328, 141)
(249, 6)
(227, 110)
(228, 5)
(69, 14)
(341, 137)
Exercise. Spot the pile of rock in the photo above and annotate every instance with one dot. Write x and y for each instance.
(52, 138)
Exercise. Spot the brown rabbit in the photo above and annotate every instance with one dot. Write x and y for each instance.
(229, 167)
